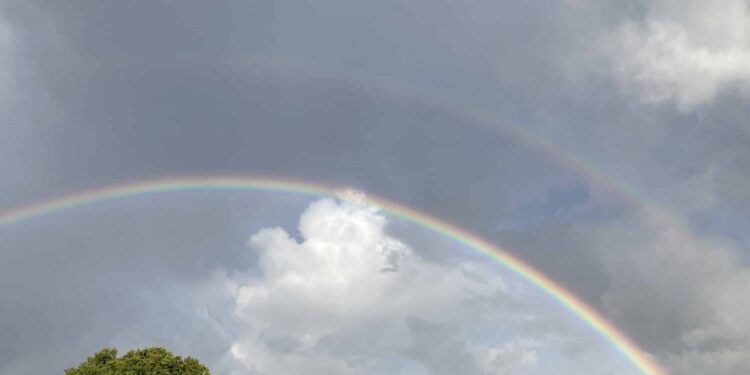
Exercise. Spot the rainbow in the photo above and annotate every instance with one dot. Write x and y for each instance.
(654, 214)
(641, 360)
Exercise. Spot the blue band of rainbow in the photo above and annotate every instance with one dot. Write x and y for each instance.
(642, 361)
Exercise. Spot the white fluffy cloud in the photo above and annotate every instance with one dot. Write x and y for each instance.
(685, 51)
(345, 297)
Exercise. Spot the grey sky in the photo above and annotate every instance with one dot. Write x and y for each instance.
(653, 94)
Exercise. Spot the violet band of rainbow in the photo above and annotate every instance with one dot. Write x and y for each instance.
(640, 360)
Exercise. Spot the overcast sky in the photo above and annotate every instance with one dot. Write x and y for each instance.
(604, 142)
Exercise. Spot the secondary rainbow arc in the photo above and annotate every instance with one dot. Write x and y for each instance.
(481, 118)
(568, 300)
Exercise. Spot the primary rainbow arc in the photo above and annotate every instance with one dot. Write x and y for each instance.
(619, 340)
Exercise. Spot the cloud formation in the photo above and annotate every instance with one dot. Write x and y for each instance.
(697, 294)
(345, 297)
(685, 51)
(683, 297)
(97, 100)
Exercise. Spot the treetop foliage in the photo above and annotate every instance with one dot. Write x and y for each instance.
(148, 361)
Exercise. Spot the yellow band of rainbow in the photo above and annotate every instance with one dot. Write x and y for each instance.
(620, 341)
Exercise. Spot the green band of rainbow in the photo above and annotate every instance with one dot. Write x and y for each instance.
(622, 343)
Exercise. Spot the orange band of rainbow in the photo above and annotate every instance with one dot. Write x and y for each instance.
(622, 343)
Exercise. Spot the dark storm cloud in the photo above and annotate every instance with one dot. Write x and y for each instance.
(132, 92)
(104, 92)
(131, 107)
(176, 102)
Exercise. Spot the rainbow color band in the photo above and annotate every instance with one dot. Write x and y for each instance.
(620, 341)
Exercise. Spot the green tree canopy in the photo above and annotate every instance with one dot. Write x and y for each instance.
(149, 361)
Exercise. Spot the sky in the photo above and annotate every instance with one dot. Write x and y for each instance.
(603, 142)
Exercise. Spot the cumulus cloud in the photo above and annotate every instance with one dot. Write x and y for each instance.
(685, 51)
(342, 296)
(683, 299)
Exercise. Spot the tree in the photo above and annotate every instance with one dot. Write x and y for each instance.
(151, 361)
